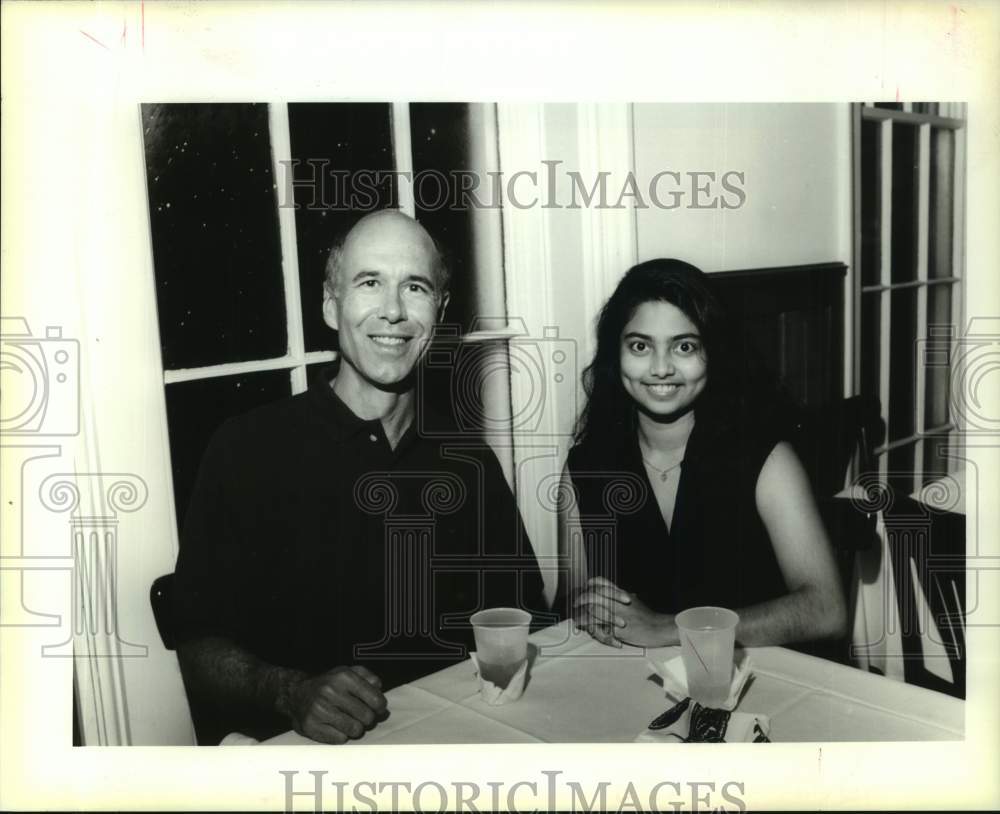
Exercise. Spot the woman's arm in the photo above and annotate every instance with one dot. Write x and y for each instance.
(814, 607)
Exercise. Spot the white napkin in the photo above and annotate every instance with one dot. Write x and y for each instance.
(238, 739)
(675, 678)
(696, 724)
(494, 695)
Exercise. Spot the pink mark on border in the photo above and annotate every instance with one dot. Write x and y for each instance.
(93, 38)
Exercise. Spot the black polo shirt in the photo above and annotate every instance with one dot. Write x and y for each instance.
(312, 543)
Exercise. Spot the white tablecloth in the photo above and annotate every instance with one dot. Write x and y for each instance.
(581, 691)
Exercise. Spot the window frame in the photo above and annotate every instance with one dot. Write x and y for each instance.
(950, 116)
(489, 253)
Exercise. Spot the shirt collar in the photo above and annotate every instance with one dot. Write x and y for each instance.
(345, 422)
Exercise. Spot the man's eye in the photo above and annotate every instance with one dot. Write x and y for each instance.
(417, 288)
(369, 283)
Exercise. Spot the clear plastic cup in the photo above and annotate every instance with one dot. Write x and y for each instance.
(501, 642)
(708, 637)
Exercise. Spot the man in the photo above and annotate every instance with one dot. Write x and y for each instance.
(330, 551)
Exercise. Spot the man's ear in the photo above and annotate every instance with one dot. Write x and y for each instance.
(330, 309)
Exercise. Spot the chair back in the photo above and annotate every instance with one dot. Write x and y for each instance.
(831, 441)
(161, 600)
(927, 553)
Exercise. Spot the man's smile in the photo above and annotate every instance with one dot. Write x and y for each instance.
(389, 340)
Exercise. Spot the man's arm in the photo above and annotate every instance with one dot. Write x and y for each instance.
(331, 707)
(227, 684)
(814, 607)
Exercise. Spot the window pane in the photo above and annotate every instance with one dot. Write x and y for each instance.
(889, 105)
(935, 462)
(937, 357)
(942, 193)
(901, 471)
(345, 170)
(871, 328)
(871, 215)
(213, 218)
(926, 107)
(902, 367)
(196, 409)
(441, 153)
(904, 202)
(313, 370)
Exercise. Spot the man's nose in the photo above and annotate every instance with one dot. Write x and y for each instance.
(393, 307)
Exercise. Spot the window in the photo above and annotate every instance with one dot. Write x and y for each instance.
(909, 249)
(239, 269)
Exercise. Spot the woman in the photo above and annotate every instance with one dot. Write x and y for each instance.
(682, 490)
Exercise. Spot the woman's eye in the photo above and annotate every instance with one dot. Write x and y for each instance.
(687, 347)
(637, 347)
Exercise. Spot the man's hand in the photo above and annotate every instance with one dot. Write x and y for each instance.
(613, 616)
(338, 705)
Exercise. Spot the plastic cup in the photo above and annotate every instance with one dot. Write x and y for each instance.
(501, 642)
(708, 636)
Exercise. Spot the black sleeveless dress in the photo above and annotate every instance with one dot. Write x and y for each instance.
(717, 551)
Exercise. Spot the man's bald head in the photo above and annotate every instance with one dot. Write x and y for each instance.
(382, 227)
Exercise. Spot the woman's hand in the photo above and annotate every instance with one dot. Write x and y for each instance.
(613, 616)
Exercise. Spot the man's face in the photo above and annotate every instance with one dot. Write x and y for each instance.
(386, 302)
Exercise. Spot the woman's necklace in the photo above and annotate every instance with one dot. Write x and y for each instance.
(663, 473)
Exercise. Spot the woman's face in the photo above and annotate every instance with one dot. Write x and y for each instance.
(663, 364)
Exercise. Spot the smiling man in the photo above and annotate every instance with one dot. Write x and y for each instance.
(330, 552)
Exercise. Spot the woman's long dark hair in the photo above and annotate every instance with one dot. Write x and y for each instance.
(608, 416)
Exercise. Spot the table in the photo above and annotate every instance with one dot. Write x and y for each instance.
(582, 691)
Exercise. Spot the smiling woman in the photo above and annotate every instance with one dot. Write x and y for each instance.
(679, 482)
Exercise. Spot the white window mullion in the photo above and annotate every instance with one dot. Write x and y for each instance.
(885, 266)
(958, 271)
(190, 374)
(853, 318)
(923, 243)
(403, 150)
(281, 156)
(882, 114)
